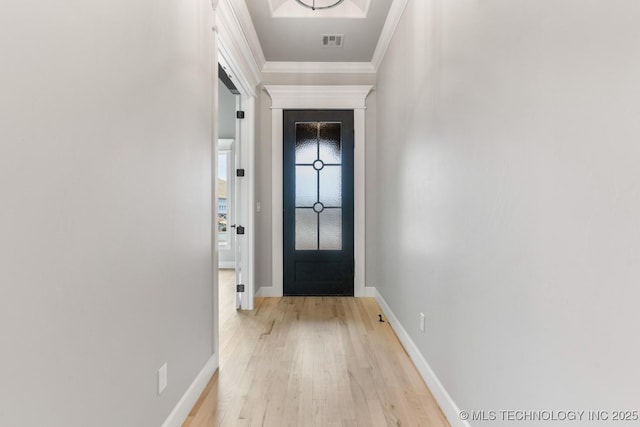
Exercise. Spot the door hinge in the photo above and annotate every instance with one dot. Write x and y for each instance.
(239, 288)
(239, 172)
(240, 114)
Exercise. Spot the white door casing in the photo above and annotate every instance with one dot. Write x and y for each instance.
(320, 98)
(233, 54)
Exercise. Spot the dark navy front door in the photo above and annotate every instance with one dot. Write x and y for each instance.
(318, 202)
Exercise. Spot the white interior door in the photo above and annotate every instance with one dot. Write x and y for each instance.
(244, 230)
(239, 228)
(242, 188)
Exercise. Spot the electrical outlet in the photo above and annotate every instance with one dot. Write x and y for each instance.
(422, 322)
(162, 378)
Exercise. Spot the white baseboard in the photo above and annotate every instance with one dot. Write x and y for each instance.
(267, 291)
(179, 414)
(448, 406)
(370, 292)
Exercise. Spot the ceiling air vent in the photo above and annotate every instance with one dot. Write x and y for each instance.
(332, 40)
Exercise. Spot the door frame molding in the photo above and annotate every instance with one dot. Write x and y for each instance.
(232, 51)
(286, 97)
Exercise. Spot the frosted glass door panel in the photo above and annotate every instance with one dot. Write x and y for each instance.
(331, 186)
(306, 186)
(306, 142)
(318, 185)
(331, 229)
(329, 141)
(306, 229)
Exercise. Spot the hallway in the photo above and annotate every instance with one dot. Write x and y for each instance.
(311, 362)
(496, 212)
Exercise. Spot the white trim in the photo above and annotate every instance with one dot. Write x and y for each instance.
(268, 291)
(236, 28)
(215, 350)
(249, 104)
(318, 67)
(235, 52)
(370, 292)
(225, 144)
(318, 97)
(236, 56)
(181, 411)
(448, 406)
(393, 18)
(251, 36)
(239, 188)
(326, 98)
(359, 212)
(247, 198)
(226, 265)
(277, 247)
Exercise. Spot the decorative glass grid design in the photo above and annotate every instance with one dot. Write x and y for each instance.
(318, 191)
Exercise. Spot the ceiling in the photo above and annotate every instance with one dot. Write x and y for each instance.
(289, 32)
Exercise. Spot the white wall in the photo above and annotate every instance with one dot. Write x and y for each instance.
(264, 171)
(105, 219)
(509, 198)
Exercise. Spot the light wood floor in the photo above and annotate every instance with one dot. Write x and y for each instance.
(311, 362)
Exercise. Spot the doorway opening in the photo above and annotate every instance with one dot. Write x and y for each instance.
(233, 192)
(228, 100)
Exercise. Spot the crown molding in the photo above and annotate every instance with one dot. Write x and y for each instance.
(234, 46)
(318, 67)
(393, 18)
(246, 23)
(238, 34)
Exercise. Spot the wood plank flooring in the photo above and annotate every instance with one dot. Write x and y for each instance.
(311, 361)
